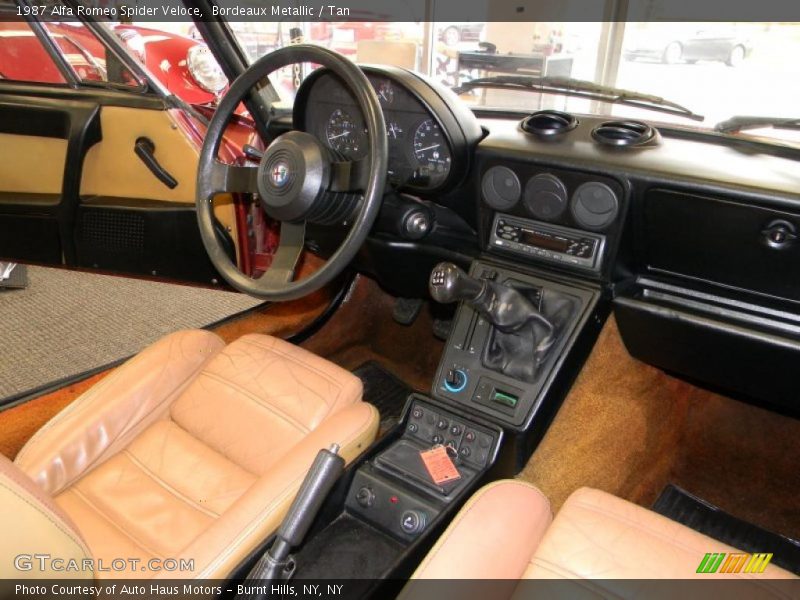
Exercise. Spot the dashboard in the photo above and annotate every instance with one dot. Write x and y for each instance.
(430, 135)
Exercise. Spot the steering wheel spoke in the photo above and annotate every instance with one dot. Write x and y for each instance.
(349, 176)
(286, 257)
(232, 179)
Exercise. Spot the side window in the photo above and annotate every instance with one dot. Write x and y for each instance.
(22, 55)
(27, 56)
(90, 60)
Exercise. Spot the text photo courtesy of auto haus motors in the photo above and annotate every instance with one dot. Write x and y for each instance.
(371, 299)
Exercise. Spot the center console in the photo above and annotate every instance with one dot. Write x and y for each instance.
(395, 492)
(471, 377)
(529, 311)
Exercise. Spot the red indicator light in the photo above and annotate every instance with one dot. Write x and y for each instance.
(394, 500)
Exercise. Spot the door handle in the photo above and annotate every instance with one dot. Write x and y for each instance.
(145, 149)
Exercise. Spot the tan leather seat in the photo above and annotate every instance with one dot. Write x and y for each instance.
(191, 450)
(506, 531)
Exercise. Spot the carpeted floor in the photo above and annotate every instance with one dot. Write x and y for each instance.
(68, 322)
(629, 429)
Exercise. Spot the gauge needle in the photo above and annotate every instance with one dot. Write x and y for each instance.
(428, 148)
(338, 135)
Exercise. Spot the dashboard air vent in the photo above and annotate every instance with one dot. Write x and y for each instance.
(624, 134)
(549, 123)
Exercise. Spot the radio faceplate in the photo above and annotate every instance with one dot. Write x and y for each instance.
(554, 244)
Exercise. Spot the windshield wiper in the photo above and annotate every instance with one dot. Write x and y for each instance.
(580, 89)
(742, 122)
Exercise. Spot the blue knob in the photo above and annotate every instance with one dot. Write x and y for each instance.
(455, 380)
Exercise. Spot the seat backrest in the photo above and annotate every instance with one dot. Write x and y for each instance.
(259, 397)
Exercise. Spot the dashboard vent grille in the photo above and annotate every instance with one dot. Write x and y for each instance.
(624, 134)
(549, 123)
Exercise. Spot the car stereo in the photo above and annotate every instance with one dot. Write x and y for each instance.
(544, 241)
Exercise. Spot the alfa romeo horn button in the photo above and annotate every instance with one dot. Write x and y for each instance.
(279, 174)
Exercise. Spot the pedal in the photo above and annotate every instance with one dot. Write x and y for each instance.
(442, 327)
(406, 310)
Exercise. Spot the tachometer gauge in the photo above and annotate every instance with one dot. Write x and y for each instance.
(343, 134)
(431, 150)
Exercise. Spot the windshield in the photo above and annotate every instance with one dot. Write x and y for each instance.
(714, 69)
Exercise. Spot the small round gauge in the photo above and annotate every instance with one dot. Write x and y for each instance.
(385, 92)
(394, 131)
(343, 134)
(431, 150)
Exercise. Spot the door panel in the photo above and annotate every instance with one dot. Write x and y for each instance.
(128, 219)
(42, 145)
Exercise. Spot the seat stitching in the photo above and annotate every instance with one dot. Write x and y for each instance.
(287, 355)
(576, 578)
(287, 490)
(167, 486)
(257, 400)
(333, 381)
(81, 546)
(223, 456)
(102, 514)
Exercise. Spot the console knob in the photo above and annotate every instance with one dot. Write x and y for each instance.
(455, 380)
(365, 497)
(413, 521)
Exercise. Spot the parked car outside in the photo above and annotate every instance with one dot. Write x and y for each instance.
(671, 45)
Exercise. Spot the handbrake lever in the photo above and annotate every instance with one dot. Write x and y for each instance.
(277, 563)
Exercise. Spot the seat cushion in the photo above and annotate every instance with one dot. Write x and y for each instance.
(595, 544)
(207, 471)
(599, 536)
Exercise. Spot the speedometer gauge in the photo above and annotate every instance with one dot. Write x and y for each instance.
(431, 150)
(343, 134)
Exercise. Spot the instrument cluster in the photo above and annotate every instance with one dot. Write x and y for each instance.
(420, 154)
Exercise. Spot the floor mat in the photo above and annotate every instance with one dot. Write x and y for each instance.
(681, 506)
(384, 391)
(630, 429)
(66, 323)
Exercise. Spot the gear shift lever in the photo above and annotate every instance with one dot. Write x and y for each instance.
(521, 334)
(506, 308)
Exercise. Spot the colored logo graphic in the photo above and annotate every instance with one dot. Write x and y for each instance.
(720, 562)
(280, 174)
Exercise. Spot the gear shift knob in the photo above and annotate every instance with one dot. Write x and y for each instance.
(448, 283)
(505, 307)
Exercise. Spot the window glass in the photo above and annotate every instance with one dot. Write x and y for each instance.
(90, 60)
(23, 57)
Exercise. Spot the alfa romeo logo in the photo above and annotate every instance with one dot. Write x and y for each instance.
(279, 174)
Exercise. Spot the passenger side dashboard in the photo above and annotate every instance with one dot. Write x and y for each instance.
(700, 255)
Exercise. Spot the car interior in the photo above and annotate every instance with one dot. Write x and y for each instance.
(391, 333)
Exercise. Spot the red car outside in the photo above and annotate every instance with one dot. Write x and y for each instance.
(182, 65)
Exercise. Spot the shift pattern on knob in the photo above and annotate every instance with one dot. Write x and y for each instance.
(448, 283)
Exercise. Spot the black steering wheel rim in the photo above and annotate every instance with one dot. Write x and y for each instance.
(209, 180)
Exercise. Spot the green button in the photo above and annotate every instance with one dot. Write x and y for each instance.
(507, 399)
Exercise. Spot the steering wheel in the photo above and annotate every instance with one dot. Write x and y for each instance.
(293, 179)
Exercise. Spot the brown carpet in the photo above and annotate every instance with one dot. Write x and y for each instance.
(363, 330)
(629, 429)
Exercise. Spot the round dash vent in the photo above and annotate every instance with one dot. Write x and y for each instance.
(549, 123)
(624, 134)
